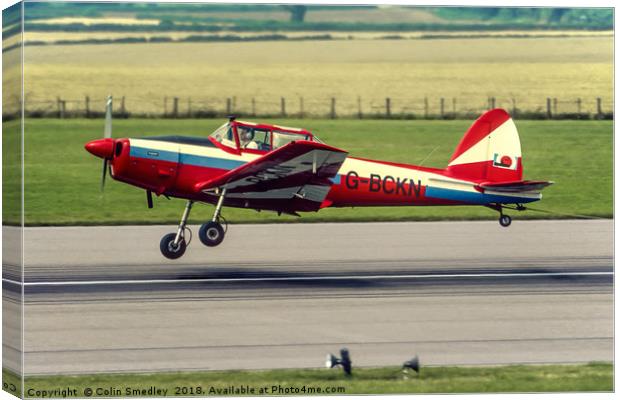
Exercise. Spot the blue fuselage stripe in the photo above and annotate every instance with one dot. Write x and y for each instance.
(162, 155)
(183, 158)
(473, 197)
(210, 162)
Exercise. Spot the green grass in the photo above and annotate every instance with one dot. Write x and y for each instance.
(386, 380)
(62, 179)
(11, 383)
(11, 171)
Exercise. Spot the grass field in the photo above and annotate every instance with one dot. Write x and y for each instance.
(62, 179)
(593, 377)
(469, 70)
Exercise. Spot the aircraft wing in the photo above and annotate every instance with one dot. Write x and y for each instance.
(297, 176)
(515, 186)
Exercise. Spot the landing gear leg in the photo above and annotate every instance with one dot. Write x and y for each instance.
(212, 233)
(173, 245)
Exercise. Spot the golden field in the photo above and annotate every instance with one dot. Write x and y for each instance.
(469, 70)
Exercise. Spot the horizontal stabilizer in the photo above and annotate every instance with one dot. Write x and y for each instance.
(514, 186)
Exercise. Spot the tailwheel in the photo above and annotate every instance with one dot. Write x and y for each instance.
(505, 220)
(171, 250)
(211, 234)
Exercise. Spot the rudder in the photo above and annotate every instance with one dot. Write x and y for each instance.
(489, 151)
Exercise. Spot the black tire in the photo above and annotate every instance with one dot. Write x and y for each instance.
(505, 221)
(211, 234)
(167, 248)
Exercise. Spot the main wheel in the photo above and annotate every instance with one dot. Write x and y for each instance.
(169, 250)
(505, 220)
(211, 234)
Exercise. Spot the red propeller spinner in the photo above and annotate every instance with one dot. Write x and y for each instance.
(102, 148)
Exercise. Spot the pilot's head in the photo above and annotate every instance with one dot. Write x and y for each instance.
(245, 134)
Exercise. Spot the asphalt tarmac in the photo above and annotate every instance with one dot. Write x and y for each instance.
(103, 299)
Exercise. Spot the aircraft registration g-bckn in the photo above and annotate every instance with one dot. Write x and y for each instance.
(289, 170)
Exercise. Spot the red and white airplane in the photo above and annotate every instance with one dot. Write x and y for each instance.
(289, 170)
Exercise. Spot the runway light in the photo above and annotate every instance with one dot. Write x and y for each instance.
(344, 361)
(413, 364)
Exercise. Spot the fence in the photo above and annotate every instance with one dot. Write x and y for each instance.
(300, 107)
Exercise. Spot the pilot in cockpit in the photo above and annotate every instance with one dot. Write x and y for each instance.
(246, 136)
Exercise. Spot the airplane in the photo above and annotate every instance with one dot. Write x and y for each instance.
(290, 170)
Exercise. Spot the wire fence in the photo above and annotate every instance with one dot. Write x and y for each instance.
(300, 107)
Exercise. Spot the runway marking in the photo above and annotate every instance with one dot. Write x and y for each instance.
(308, 278)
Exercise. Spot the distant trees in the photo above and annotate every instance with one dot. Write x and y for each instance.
(298, 12)
(166, 23)
(557, 14)
(572, 17)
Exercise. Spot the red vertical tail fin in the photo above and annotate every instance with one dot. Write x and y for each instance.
(489, 151)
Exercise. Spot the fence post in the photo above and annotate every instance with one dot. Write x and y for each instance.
(59, 106)
(454, 105)
(555, 106)
(442, 104)
(87, 106)
(165, 106)
(253, 107)
(492, 103)
(228, 106)
(579, 105)
(599, 108)
(301, 107)
(359, 107)
(333, 108)
(426, 108)
(283, 106)
(189, 107)
(514, 107)
(175, 107)
(388, 107)
(123, 105)
(549, 107)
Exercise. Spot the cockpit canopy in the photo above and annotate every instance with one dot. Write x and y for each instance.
(244, 136)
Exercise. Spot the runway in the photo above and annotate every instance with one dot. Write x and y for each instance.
(282, 296)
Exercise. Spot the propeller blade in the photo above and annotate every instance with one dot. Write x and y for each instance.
(105, 171)
(107, 130)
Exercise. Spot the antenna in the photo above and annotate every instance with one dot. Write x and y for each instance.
(429, 154)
